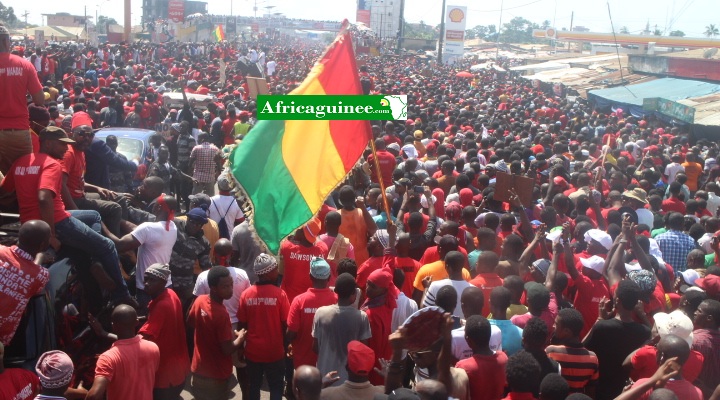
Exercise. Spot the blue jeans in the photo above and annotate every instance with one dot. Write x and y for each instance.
(82, 231)
(274, 374)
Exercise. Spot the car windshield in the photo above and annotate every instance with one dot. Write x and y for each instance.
(131, 148)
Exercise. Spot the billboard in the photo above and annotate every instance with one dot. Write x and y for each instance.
(230, 26)
(176, 10)
(455, 22)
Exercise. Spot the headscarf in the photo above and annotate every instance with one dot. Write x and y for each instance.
(466, 197)
(171, 213)
(439, 202)
(383, 279)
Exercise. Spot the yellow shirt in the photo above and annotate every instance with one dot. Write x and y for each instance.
(437, 271)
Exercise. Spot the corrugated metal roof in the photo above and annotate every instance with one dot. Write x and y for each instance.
(667, 88)
(707, 109)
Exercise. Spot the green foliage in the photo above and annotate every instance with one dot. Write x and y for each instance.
(420, 31)
(518, 30)
(7, 15)
(103, 20)
(677, 33)
(711, 31)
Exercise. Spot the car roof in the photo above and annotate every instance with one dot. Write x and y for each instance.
(134, 133)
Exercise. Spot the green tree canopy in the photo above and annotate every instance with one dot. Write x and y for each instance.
(7, 15)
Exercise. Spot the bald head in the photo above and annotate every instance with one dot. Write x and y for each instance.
(223, 247)
(124, 320)
(307, 383)
(34, 236)
(662, 394)
(472, 301)
(430, 389)
(673, 346)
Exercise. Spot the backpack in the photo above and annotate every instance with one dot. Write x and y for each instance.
(223, 228)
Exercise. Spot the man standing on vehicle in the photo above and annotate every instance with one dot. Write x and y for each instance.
(17, 78)
(206, 163)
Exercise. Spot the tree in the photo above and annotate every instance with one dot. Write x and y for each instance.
(657, 32)
(624, 30)
(518, 30)
(479, 32)
(545, 24)
(7, 15)
(103, 20)
(711, 31)
(677, 33)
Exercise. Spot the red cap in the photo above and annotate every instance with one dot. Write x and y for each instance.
(360, 358)
(711, 285)
(537, 149)
(81, 118)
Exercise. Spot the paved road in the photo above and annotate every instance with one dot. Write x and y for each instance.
(235, 393)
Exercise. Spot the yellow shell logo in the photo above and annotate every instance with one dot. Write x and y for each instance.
(456, 15)
(384, 103)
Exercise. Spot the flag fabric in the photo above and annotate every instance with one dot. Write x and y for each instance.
(288, 168)
(219, 33)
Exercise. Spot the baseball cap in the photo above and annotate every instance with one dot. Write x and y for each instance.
(312, 229)
(55, 133)
(599, 236)
(361, 358)
(676, 323)
(690, 276)
(200, 198)
(595, 263)
(223, 183)
(319, 268)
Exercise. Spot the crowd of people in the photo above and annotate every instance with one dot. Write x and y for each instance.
(422, 276)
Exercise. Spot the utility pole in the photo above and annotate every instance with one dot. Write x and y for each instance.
(441, 42)
(26, 26)
(497, 44)
(401, 29)
(87, 37)
(572, 17)
(128, 23)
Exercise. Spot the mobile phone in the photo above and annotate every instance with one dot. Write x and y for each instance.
(419, 189)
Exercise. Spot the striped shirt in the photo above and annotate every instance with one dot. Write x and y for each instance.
(578, 365)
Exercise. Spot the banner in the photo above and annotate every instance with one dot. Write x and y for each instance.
(39, 37)
(455, 23)
(363, 12)
(176, 10)
(230, 26)
(672, 109)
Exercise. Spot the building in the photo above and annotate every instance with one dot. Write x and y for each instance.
(158, 9)
(385, 17)
(65, 19)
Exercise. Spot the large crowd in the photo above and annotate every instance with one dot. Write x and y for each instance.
(596, 275)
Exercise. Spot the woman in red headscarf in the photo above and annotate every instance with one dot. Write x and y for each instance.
(381, 301)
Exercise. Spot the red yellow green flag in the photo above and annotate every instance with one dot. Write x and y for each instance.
(288, 168)
(219, 33)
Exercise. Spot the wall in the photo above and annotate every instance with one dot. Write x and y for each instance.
(648, 64)
(64, 20)
(693, 68)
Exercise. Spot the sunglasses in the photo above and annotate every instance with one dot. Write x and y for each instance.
(85, 134)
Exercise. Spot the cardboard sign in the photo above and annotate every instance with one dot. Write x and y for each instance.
(164, 129)
(257, 86)
(522, 185)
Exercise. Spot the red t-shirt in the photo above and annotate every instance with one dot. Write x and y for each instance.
(410, 267)
(365, 269)
(683, 389)
(212, 327)
(264, 308)
(165, 320)
(587, 299)
(30, 174)
(300, 320)
(296, 260)
(487, 282)
(486, 375)
(20, 279)
(387, 166)
(673, 204)
(74, 167)
(17, 77)
(18, 384)
(432, 254)
(644, 363)
(130, 366)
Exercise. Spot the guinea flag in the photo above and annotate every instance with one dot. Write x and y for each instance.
(288, 168)
(219, 33)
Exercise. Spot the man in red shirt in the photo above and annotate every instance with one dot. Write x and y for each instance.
(295, 255)
(127, 370)
(263, 312)
(302, 312)
(17, 383)
(486, 278)
(214, 339)
(165, 327)
(37, 180)
(674, 203)
(486, 368)
(74, 185)
(17, 78)
(228, 127)
(20, 277)
(385, 160)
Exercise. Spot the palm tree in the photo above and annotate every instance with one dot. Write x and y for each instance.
(624, 30)
(711, 31)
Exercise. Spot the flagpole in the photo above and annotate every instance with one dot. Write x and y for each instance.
(378, 172)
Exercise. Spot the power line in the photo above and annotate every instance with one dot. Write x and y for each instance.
(506, 8)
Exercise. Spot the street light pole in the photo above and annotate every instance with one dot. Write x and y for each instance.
(441, 42)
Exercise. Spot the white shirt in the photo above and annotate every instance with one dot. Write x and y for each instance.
(240, 283)
(271, 67)
(461, 349)
(261, 58)
(706, 242)
(223, 205)
(713, 202)
(435, 287)
(671, 170)
(156, 245)
(405, 308)
(645, 216)
(253, 56)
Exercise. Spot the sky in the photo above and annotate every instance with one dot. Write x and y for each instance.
(689, 16)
